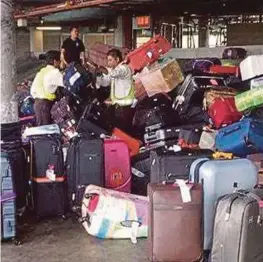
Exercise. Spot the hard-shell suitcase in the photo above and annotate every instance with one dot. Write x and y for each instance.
(133, 144)
(117, 165)
(47, 175)
(234, 53)
(208, 140)
(220, 177)
(251, 67)
(175, 225)
(84, 166)
(224, 70)
(141, 171)
(242, 138)
(200, 65)
(167, 165)
(162, 77)
(224, 112)
(148, 53)
(256, 82)
(250, 99)
(238, 231)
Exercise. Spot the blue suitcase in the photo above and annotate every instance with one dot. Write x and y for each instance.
(242, 138)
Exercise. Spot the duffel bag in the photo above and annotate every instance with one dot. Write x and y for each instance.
(110, 214)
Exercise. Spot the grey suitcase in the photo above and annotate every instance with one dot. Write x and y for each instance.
(162, 135)
(221, 177)
(238, 228)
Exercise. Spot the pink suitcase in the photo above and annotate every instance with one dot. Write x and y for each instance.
(117, 165)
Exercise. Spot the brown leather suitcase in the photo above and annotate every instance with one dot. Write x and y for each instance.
(175, 231)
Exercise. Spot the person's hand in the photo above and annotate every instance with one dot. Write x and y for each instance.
(62, 65)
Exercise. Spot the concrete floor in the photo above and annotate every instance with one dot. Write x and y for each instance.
(67, 241)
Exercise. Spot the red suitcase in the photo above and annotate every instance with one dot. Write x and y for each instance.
(148, 53)
(98, 53)
(117, 165)
(224, 112)
(225, 70)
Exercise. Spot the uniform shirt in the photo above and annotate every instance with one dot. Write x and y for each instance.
(52, 80)
(73, 48)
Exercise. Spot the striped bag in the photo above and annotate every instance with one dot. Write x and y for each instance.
(250, 99)
(110, 214)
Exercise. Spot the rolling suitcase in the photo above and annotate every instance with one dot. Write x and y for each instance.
(200, 65)
(84, 166)
(250, 99)
(242, 138)
(47, 175)
(117, 165)
(175, 223)
(234, 53)
(148, 53)
(251, 67)
(168, 165)
(238, 230)
(8, 196)
(220, 177)
(224, 70)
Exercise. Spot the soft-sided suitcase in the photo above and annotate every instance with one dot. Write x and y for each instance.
(234, 53)
(148, 53)
(256, 82)
(47, 175)
(162, 77)
(117, 165)
(141, 171)
(238, 230)
(251, 67)
(242, 138)
(220, 177)
(208, 139)
(175, 223)
(8, 196)
(250, 99)
(200, 65)
(167, 165)
(224, 112)
(224, 70)
(84, 166)
(133, 144)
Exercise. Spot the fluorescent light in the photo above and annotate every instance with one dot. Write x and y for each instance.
(53, 28)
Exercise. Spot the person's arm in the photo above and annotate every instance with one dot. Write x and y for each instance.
(53, 80)
(121, 71)
(63, 53)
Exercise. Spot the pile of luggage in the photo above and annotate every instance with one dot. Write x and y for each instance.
(196, 131)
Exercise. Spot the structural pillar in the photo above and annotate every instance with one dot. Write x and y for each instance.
(9, 107)
(204, 33)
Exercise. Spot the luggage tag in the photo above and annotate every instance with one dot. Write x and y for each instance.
(185, 190)
(50, 173)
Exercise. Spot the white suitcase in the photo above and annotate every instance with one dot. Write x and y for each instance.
(208, 140)
(221, 177)
(257, 82)
(251, 67)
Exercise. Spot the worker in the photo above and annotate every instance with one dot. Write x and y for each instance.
(73, 49)
(119, 77)
(44, 87)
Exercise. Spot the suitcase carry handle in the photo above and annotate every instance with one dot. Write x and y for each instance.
(222, 155)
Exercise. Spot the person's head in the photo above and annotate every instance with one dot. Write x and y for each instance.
(114, 57)
(53, 58)
(74, 32)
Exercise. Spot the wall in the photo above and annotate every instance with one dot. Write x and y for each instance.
(245, 34)
(210, 52)
(51, 40)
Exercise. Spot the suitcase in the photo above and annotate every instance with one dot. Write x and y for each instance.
(251, 67)
(208, 140)
(200, 65)
(8, 196)
(250, 99)
(224, 112)
(225, 70)
(117, 165)
(139, 90)
(220, 177)
(148, 53)
(175, 226)
(191, 92)
(108, 214)
(98, 53)
(84, 166)
(167, 165)
(234, 53)
(133, 144)
(242, 138)
(162, 77)
(256, 82)
(47, 175)
(238, 231)
(141, 171)
(231, 62)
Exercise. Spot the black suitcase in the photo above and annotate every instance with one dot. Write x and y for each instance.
(84, 166)
(141, 170)
(48, 194)
(169, 165)
(234, 53)
(238, 228)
